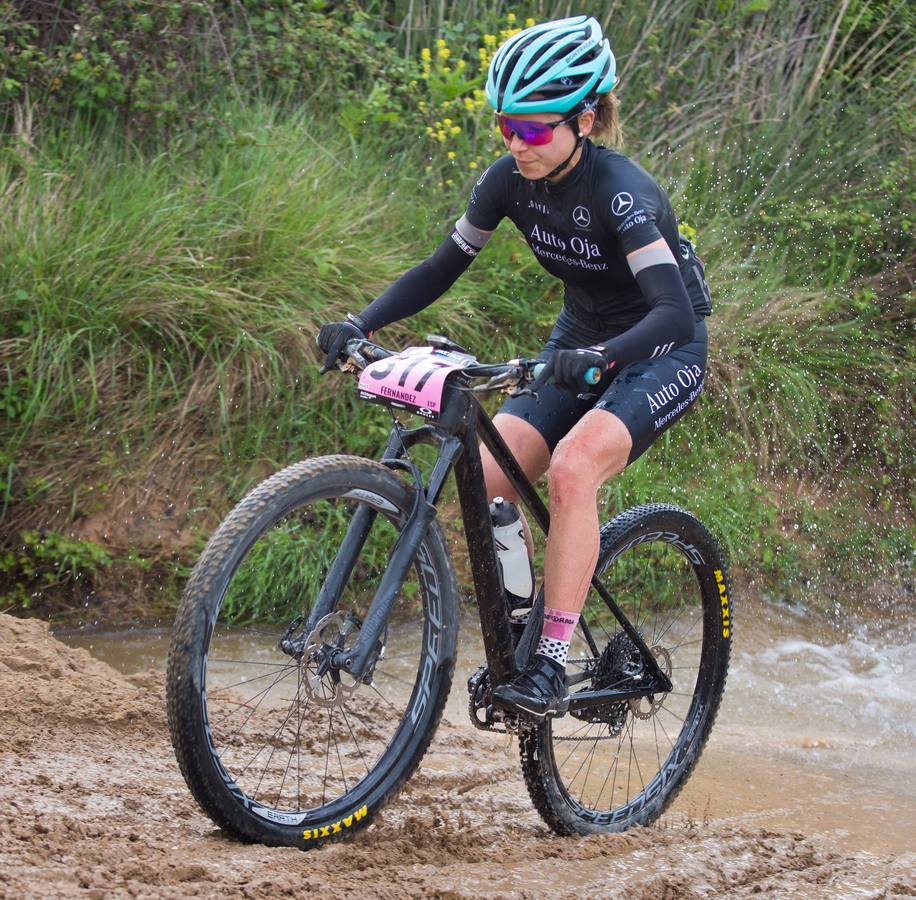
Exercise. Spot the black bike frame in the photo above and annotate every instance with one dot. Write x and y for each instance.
(458, 450)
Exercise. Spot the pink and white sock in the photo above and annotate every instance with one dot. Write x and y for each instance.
(556, 634)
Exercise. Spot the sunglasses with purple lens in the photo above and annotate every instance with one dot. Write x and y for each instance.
(535, 134)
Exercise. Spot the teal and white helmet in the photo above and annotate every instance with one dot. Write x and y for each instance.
(566, 63)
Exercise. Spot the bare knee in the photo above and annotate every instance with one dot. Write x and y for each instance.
(579, 465)
(570, 478)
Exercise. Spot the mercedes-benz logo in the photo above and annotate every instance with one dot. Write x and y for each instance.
(622, 203)
(582, 217)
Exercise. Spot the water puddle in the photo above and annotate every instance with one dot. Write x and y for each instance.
(816, 732)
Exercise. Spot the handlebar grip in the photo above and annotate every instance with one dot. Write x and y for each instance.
(592, 376)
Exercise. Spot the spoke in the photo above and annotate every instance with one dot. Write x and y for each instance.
(339, 760)
(642, 780)
(254, 709)
(277, 731)
(299, 750)
(675, 619)
(657, 754)
(382, 696)
(615, 768)
(588, 771)
(397, 678)
(355, 741)
(575, 747)
(567, 737)
(673, 715)
(250, 662)
(661, 725)
(298, 734)
(327, 758)
(229, 687)
(684, 644)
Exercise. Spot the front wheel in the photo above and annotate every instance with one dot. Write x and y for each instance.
(276, 744)
(608, 768)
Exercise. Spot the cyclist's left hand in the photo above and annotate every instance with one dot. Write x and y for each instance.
(568, 368)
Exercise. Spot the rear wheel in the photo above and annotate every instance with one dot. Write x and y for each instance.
(276, 745)
(606, 769)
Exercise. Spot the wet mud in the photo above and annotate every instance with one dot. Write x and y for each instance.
(94, 805)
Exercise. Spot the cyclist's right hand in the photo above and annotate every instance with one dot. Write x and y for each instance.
(333, 337)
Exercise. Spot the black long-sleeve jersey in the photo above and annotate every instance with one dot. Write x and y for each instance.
(581, 229)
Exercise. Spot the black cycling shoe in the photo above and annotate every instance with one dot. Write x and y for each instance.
(538, 690)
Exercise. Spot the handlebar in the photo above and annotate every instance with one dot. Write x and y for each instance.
(514, 371)
(511, 373)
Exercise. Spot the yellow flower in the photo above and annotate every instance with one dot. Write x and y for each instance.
(449, 182)
(510, 17)
(450, 154)
(529, 23)
(444, 53)
(440, 136)
(461, 64)
(454, 130)
(489, 40)
(425, 54)
(447, 122)
(469, 104)
(472, 164)
(77, 56)
(440, 43)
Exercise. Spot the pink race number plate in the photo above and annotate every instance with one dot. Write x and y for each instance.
(413, 379)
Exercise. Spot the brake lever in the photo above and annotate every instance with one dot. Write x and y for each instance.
(525, 392)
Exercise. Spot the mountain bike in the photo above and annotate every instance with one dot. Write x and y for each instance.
(315, 643)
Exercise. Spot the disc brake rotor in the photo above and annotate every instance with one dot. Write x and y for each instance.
(324, 684)
(646, 707)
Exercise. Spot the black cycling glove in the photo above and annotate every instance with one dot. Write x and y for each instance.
(333, 337)
(568, 368)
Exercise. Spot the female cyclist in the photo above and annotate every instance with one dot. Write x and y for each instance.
(635, 299)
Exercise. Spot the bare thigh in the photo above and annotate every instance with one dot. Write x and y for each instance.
(527, 446)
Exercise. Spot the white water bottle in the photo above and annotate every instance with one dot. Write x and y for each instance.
(512, 552)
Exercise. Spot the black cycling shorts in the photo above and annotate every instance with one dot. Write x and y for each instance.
(647, 396)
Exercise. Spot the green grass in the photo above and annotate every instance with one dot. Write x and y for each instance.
(159, 306)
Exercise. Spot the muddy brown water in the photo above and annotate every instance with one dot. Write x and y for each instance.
(806, 788)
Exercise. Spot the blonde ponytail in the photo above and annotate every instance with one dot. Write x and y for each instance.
(607, 127)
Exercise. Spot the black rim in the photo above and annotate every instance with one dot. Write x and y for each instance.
(292, 744)
(610, 763)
